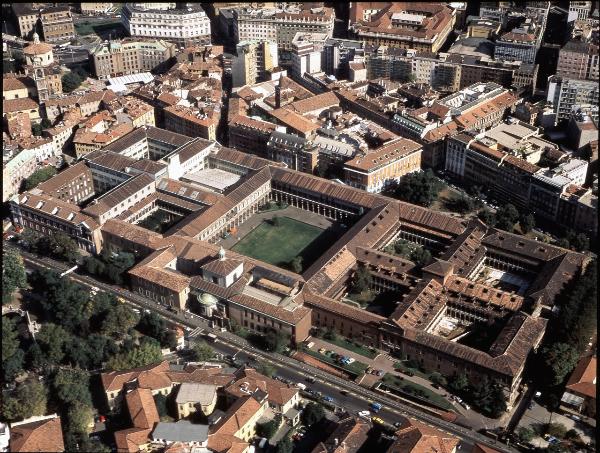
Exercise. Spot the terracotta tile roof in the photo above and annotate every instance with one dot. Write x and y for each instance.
(348, 437)
(19, 105)
(142, 409)
(510, 36)
(441, 132)
(278, 392)
(485, 109)
(37, 49)
(312, 104)
(129, 440)
(390, 152)
(185, 190)
(347, 311)
(114, 380)
(294, 120)
(223, 267)
(112, 198)
(242, 159)
(226, 443)
(41, 436)
(291, 314)
(383, 260)
(132, 233)
(521, 164)
(240, 412)
(583, 378)
(67, 212)
(484, 293)
(66, 176)
(245, 122)
(420, 306)
(153, 269)
(416, 437)
(480, 448)
(13, 83)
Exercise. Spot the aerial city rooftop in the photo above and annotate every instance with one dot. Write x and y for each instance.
(401, 195)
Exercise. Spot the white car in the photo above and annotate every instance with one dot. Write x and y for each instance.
(364, 414)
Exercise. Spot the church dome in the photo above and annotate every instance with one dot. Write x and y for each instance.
(207, 300)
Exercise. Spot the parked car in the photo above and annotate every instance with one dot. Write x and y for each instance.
(310, 379)
(328, 399)
(364, 414)
(377, 420)
(397, 424)
(379, 373)
(351, 360)
(344, 392)
(321, 350)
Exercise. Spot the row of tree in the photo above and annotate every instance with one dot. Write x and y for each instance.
(416, 253)
(55, 244)
(13, 275)
(421, 188)
(486, 396)
(39, 176)
(73, 79)
(110, 266)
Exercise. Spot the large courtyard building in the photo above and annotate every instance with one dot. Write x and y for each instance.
(478, 274)
(183, 26)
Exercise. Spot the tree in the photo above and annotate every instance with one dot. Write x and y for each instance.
(28, 400)
(66, 304)
(330, 334)
(312, 413)
(70, 82)
(100, 349)
(462, 204)
(275, 341)
(39, 176)
(527, 223)
(46, 123)
(559, 360)
(581, 242)
(525, 434)
(276, 221)
(285, 445)
(161, 404)
(77, 352)
(267, 429)
(13, 366)
(79, 416)
(72, 386)
(93, 265)
(557, 430)
(146, 353)
(202, 351)
(10, 338)
(420, 256)
(459, 382)
(265, 369)
(64, 247)
(52, 339)
(420, 188)
(37, 129)
(296, 264)
(438, 378)
(13, 274)
(119, 320)
(362, 280)
(506, 217)
(35, 359)
(33, 397)
(487, 217)
(322, 168)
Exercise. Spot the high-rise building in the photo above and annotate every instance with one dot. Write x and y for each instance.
(253, 61)
(578, 60)
(570, 95)
(57, 24)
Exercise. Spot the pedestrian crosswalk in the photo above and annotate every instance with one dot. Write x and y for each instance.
(196, 332)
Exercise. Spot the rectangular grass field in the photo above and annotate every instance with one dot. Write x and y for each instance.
(279, 245)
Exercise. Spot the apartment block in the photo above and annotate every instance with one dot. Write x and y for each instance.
(569, 96)
(578, 60)
(253, 62)
(191, 122)
(419, 26)
(57, 24)
(130, 56)
(26, 18)
(183, 26)
(95, 7)
(380, 168)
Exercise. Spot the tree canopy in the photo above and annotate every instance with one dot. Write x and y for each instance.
(275, 341)
(146, 353)
(39, 176)
(312, 413)
(13, 274)
(29, 399)
(202, 351)
(420, 188)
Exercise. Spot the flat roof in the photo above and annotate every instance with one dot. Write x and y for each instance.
(213, 178)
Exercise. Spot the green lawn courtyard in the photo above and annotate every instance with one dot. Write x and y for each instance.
(279, 245)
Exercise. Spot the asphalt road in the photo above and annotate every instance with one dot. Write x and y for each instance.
(356, 399)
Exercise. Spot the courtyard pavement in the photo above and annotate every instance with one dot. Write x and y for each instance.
(255, 220)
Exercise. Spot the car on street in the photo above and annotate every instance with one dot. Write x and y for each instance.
(397, 424)
(310, 379)
(375, 407)
(364, 414)
(328, 399)
(344, 392)
(377, 420)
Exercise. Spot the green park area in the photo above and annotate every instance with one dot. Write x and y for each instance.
(98, 27)
(281, 240)
(404, 386)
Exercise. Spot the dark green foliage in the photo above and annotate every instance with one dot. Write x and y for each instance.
(525, 434)
(438, 379)
(487, 217)
(29, 399)
(312, 413)
(275, 341)
(574, 241)
(462, 204)
(420, 256)
(527, 223)
(285, 445)
(420, 188)
(362, 280)
(330, 334)
(13, 274)
(146, 353)
(459, 382)
(71, 386)
(46, 123)
(488, 397)
(161, 404)
(202, 351)
(118, 321)
(13, 366)
(71, 81)
(557, 430)
(267, 429)
(154, 326)
(296, 264)
(506, 217)
(39, 176)
(265, 369)
(37, 129)
(559, 359)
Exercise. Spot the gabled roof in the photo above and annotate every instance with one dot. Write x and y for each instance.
(583, 378)
(39, 436)
(416, 437)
